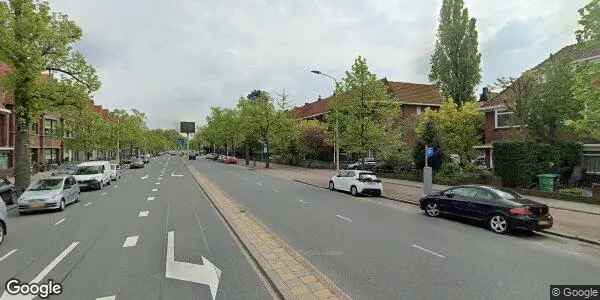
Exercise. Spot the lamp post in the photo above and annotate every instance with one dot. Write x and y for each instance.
(336, 147)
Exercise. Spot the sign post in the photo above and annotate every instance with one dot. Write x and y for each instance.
(427, 172)
(187, 128)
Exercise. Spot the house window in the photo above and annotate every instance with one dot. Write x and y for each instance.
(419, 110)
(34, 128)
(50, 127)
(591, 163)
(5, 159)
(51, 155)
(505, 119)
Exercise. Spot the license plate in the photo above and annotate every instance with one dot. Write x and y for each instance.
(37, 205)
(543, 222)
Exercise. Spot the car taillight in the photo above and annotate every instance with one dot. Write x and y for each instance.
(520, 211)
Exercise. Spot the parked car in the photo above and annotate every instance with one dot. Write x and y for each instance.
(2, 222)
(52, 193)
(501, 210)
(369, 165)
(230, 160)
(192, 156)
(65, 170)
(221, 158)
(356, 182)
(146, 158)
(93, 174)
(137, 164)
(7, 191)
(115, 172)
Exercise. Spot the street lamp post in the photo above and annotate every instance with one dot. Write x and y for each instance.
(336, 147)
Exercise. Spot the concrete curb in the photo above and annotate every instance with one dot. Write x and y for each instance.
(555, 233)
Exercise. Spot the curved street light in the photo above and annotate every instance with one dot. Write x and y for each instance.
(336, 148)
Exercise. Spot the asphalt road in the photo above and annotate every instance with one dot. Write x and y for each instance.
(114, 243)
(373, 248)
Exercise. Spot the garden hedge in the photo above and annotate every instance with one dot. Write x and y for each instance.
(518, 163)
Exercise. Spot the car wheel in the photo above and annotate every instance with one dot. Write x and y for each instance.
(498, 224)
(77, 198)
(100, 185)
(62, 205)
(354, 191)
(331, 186)
(2, 232)
(432, 209)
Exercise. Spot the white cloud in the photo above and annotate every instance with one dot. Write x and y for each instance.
(175, 59)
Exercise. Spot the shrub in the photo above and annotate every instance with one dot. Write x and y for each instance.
(518, 163)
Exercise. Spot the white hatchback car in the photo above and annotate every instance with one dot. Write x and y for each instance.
(356, 182)
(2, 221)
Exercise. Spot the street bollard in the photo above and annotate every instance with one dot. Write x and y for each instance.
(427, 181)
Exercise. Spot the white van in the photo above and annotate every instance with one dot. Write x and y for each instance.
(93, 174)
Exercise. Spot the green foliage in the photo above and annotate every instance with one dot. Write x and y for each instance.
(572, 192)
(518, 163)
(589, 22)
(365, 114)
(455, 63)
(456, 130)
(586, 90)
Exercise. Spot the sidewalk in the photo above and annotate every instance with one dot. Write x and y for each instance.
(571, 219)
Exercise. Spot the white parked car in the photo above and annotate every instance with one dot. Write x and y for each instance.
(93, 174)
(356, 182)
(115, 172)
(2, 221)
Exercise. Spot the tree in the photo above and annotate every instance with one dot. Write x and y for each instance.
(32, 40)
(520, 96)
(455, 63)
(363, 111)
(589, 22)
(586, 90)
(87, 130)
(454, 129)
(556, 103)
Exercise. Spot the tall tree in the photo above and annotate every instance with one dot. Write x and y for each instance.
(520, 96)
(586, 90)
(455, 63)
(33, 39)
(589, 22)
(363, 111)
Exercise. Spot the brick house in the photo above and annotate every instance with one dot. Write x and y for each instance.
(413, 97)
(45, 144)
(499, 126)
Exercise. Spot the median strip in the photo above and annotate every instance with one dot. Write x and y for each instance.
(290, 274)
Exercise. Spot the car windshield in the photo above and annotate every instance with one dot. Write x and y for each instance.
(88, 170)
(367, 176)
(507, 195)
(46, 184)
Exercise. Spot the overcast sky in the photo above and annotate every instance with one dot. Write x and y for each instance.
(174, 59)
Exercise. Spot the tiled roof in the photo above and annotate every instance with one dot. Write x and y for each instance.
(404, 92)
(573, 52)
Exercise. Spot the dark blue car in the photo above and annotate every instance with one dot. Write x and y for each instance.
(500, 210)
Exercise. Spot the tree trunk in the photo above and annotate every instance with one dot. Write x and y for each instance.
(267, 160)
(22, 155)
(247, 149)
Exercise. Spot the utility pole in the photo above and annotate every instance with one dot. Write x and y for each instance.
(336, 144)
(118, 141)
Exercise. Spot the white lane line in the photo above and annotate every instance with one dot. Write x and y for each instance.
(143, 213)
(150, 198)
(43, 273)
(88, 204)
(11, 252)
(144, 177)
(176, 175)
(276, 191)
(107, 298)
(116, 186)
(104, 194)
(303, 202)
(130, 241)
(344, 218)
(428, 251)
(59, 222)
(157, 183)
(155, 190)
(159, 178)
(259, 184)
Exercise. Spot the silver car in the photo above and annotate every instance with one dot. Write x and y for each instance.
(2, 221)
(52, 193)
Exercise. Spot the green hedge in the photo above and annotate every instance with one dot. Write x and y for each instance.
(518, 163)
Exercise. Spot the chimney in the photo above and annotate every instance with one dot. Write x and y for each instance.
(319, 99)
(485, 95)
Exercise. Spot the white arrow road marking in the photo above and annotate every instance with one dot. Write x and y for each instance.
(130, 241)
(11, 252)
(107, 298)
(176, 175)
(150, 198)
(207, 273)
(143, 213)
(88, 204)
(428, 251)
(344, 218)
(144, 177)
(59, 222)
(155, 190)
(42, 274)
